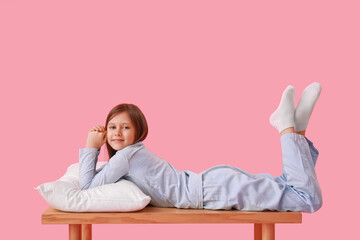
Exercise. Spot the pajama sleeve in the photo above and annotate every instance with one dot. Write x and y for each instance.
(117, 167)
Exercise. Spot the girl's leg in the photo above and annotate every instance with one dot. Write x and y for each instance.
(299, 154)
(301, 132)
(296, 190)
(227, 187)
(303, 112)
(299, 172)
(314, 151)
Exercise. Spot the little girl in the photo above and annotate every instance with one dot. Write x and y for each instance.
(219, 187)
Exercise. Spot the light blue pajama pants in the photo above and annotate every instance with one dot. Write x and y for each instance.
(297, 189)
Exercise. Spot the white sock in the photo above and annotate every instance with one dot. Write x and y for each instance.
(283, 117)
(306, 105)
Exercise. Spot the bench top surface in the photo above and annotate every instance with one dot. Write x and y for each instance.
(169, 215)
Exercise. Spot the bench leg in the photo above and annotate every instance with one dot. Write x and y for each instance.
(75, 231)
(265, 231)
(86, 231)
(268, 231)
(257, 231)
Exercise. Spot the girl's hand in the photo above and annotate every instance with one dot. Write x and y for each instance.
(96, 137)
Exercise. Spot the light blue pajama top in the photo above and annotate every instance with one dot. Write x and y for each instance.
(219, 187)
(157, 178)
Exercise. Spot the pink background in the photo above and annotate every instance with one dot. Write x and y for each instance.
(207, 75)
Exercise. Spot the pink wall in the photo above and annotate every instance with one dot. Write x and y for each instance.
(206, 74)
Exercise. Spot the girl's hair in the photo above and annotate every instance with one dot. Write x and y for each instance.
(137, 118)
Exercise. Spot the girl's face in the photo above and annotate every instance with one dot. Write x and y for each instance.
(120, 131)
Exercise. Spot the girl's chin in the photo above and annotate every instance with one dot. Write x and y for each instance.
(116, 148)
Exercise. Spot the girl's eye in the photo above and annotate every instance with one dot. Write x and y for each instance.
(112, 127)
(126, 127)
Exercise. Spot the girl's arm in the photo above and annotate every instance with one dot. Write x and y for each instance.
(117, 167)
(88, 158)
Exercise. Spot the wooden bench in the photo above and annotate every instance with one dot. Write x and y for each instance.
(80, 224)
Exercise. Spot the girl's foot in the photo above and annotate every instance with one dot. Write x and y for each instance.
(306, 105)
(283, 117)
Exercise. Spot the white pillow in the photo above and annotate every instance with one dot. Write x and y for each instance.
(65, 194)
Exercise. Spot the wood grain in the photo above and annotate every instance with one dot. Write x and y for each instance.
(169, 215)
